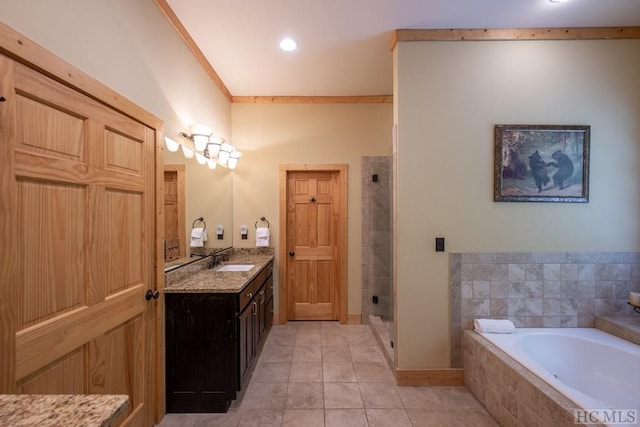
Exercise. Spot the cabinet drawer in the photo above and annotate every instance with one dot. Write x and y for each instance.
(247, 294)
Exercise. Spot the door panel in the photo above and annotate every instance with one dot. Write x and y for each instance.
(78, 188)
(311, 235)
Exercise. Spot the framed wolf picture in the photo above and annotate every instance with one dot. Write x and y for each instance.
(542, 163)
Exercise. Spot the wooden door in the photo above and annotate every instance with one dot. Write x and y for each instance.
(312, 239)
(77, 248)
(174, 206)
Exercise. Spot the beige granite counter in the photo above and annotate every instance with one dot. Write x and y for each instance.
(45, 410)
(214, 281)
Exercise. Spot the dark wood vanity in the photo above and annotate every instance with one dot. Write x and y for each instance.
(216, 324)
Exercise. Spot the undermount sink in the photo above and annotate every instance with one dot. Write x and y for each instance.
(236, 267)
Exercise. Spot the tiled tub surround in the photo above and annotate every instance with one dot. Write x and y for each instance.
(511, 393)
(539, 289)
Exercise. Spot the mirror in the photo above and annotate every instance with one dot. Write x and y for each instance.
(207, 194)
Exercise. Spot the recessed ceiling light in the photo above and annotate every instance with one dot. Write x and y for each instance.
(288, 44)
(558, 1)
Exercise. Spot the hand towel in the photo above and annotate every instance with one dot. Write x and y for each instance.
(494, 326)
(197, 237)
(262, 237)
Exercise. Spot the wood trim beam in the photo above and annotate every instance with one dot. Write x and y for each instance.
(429, 377)
(373, 99)
(503, 34)
(191, 44)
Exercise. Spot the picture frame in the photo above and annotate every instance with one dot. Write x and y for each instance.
(541, 163)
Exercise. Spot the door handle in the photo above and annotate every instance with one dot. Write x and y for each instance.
(2, 98)
(151, 294)
(291, 253)
(313, 200)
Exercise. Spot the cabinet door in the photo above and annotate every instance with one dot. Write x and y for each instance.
(246, 341)
(201, 357)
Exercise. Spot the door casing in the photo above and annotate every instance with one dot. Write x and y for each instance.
(342, 170)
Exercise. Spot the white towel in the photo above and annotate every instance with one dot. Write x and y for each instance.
(262, 237)
(197, 237)
(494, 326)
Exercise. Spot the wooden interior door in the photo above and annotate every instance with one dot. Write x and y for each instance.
(77, 214)
(174, 206)
(312, 239)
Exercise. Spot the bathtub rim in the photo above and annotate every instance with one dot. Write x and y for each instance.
(591, 335)
(554, 399)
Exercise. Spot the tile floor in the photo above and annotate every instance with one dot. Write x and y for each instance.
(326, 374)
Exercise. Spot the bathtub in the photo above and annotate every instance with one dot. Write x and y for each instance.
(595, 370)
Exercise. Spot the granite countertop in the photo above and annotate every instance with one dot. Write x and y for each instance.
(213, 281)
(45, 410)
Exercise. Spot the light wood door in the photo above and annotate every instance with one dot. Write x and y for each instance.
(312, 241)
(77, 248)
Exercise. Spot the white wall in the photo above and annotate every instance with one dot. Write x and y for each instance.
(272, 134)
(449, 95)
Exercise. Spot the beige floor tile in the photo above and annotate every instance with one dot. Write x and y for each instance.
(302, 327)
(433, 418)
(303, 418)
(334, 328)
(338, 372)
(366, 354)
(419, 397)
(474, 417)
(345, 418)
(305, 396)
(334, 340)
(307, 354)
(283, 340)
(271, 373)
(229, 419)
(387, 418)
(342, 396)
(276, 354)
(373, 372)
(336, 354)
(380, 395)
(260, 418)
(306, 372)
(457, 398)
(361, 338)
(178, 420)
(265, 396)
(310, 339)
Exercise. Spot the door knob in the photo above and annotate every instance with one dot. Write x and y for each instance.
(2, 98)
(151, 294)
(291, 253)
(313, 200)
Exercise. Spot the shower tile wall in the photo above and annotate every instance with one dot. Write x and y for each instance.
(376, 237)
(539, 290)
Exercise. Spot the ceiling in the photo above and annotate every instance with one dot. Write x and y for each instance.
(344, 45)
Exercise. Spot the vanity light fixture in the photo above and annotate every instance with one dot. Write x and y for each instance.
(235, 155)
(199, 136)
(213, 147)
(188, 152)
(211, 163)
(201, 159)
(225, 153)
(171, 145)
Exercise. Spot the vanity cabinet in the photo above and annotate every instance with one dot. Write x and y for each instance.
(212, 340)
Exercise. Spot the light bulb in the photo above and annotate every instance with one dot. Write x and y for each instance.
(188, 152)
(201, 159)
(171, 145)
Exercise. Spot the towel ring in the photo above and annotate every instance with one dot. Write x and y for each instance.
(201, 219)
(263, 219)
